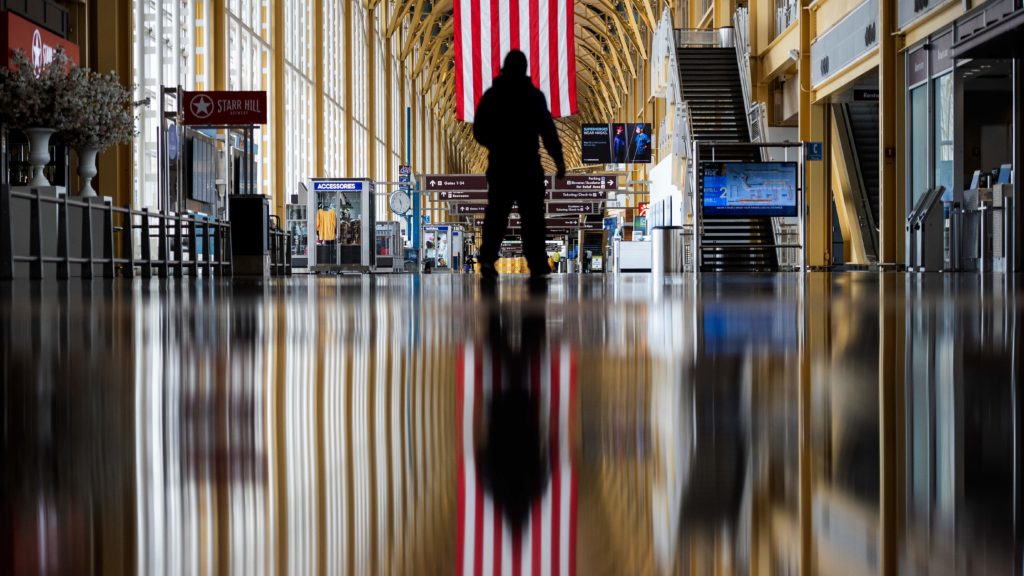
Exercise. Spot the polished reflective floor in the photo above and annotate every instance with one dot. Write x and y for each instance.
(819, 424)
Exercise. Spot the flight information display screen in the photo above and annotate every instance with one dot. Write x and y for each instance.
(749, 188)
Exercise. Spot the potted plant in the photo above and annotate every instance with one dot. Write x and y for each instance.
(100, 116)
(34, 100)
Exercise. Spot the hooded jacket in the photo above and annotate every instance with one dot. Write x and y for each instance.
(510, 118)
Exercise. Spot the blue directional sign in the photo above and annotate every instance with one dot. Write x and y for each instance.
(813, 151)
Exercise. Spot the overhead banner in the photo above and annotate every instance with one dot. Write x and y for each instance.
(485, 32)
(225, 108)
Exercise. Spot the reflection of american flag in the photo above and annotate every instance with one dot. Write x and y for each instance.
(547, 542)
(485, 30)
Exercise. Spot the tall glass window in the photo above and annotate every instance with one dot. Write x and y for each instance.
(166, 36)
(918, 142)
(943, 118)
(248, 68)
(300, 137)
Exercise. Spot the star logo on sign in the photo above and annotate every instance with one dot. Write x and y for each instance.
(202, 106)
(37, 49)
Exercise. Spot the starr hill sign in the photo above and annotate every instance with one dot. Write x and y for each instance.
(220, 108)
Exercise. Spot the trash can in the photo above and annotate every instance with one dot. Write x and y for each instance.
(250, 234)
(667, 250)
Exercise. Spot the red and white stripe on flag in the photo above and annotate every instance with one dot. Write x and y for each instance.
(546, 543)
(485, 31)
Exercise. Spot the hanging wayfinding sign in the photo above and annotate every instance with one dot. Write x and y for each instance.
(463, 209)
(472, 195)
(587, 182)
(577, 195)
(573, 208)
(448, 182)
(224, 108)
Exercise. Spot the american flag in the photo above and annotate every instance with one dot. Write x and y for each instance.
(485, 31)
(546, 542)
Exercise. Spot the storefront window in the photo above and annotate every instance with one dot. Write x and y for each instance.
(918, 143)
(943, 113)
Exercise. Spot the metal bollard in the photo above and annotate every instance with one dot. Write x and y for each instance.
(667, 250)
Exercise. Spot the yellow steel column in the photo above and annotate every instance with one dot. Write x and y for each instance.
(812, 128)
(723, 13)
(277, 89)
(217, 57)
(111, 49)
(318, 88)
(371, 96)
(349, 113)
(389, 111)
(891, 195)
(279, 539)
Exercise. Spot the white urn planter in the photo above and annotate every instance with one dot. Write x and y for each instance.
(87, 169)
(39, 153)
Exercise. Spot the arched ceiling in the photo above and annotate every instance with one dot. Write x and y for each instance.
(610, 37)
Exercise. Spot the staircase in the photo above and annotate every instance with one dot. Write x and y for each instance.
(864, 129)
(710, 82)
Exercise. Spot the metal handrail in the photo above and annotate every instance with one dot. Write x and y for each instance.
(178, 238)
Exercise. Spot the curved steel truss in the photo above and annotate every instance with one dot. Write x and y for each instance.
(610, 38)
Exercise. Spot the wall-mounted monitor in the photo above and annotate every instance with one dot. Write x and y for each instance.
(617, 143)
(749, 188)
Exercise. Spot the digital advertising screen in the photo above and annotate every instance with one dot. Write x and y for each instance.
(749, 188)
(617, 143)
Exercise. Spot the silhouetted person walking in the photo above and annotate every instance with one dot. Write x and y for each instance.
(510, 117)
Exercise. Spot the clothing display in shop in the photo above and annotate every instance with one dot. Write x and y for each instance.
(326, 225)
(349, 231)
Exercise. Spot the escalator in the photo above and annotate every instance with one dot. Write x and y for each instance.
(856, 140)
(864, 129)
(711, 87)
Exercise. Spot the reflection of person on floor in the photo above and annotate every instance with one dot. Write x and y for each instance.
(510, 117)
(515, 463)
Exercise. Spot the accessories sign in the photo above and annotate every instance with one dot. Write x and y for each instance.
(337, 185)
(223, 108)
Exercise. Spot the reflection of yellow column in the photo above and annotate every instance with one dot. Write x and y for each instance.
(814, 344)
(891, 399)
(277, 438)
(113, 51)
